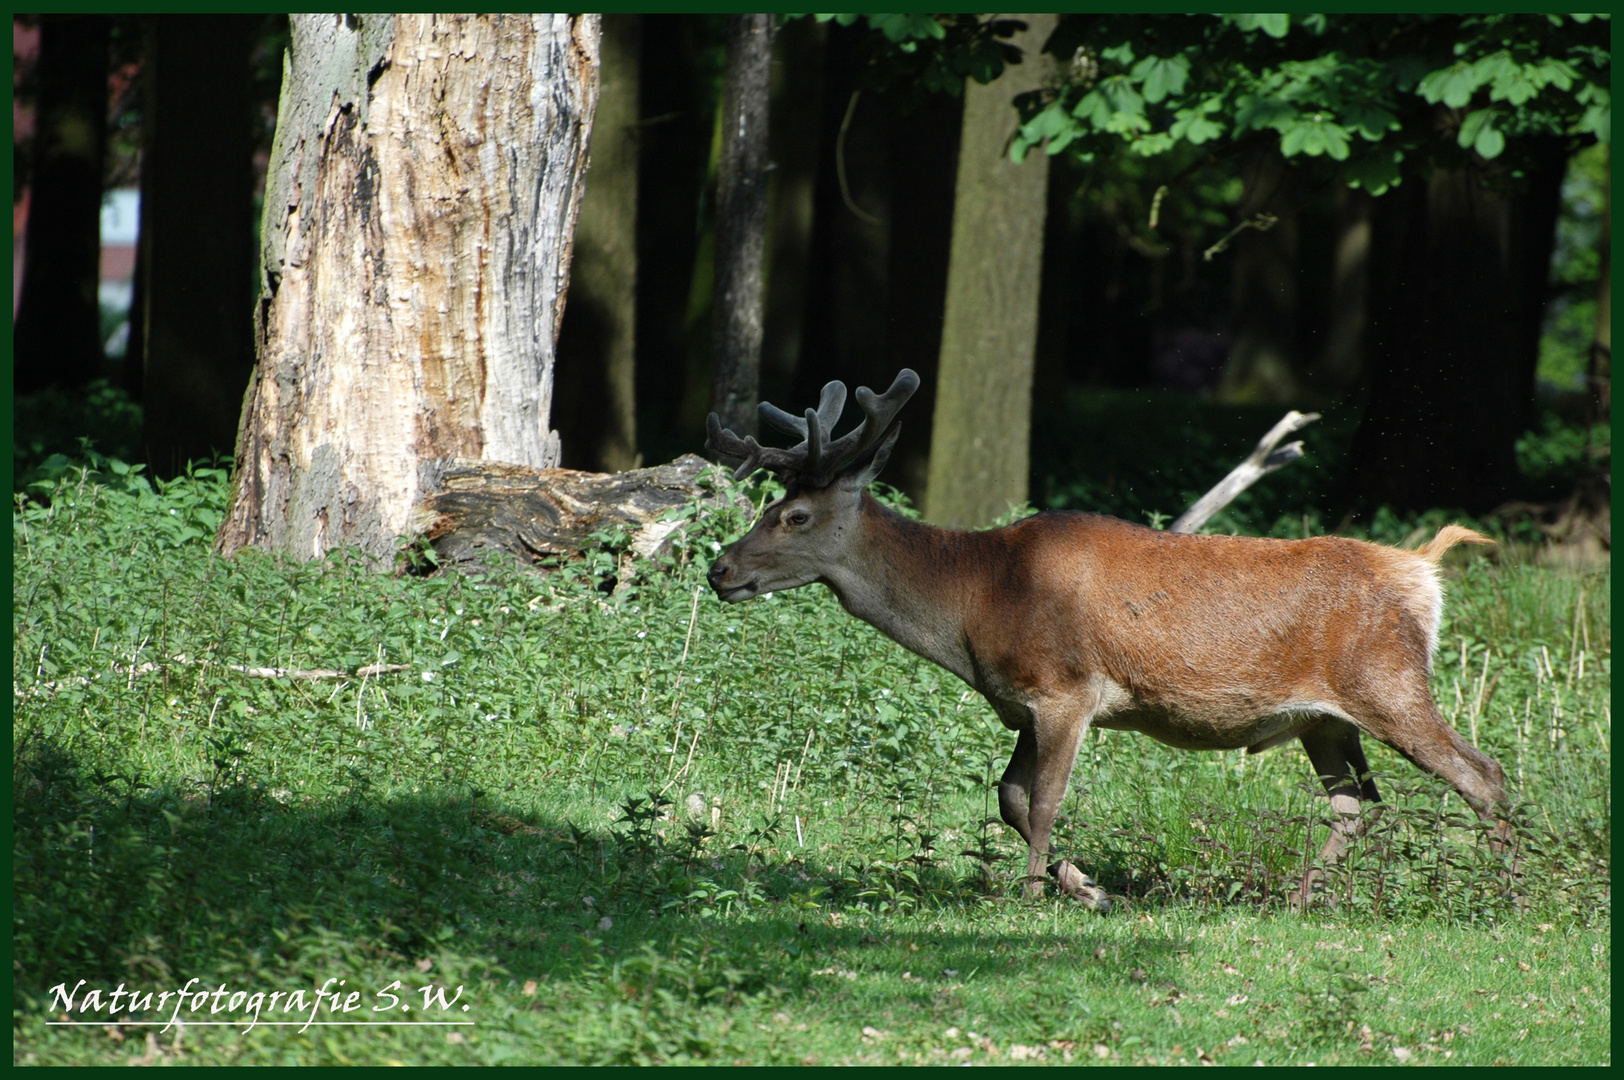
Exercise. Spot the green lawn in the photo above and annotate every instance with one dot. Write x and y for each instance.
(765, 836)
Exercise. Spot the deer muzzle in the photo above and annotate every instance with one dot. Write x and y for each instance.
(723, 579)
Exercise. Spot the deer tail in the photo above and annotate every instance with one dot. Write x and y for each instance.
(1448, 537)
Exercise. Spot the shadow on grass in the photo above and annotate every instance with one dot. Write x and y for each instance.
(117, 882)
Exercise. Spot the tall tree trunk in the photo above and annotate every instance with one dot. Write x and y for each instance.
(981, 430)
(1262, 356)
(420, 206)
(1454, 336)
(597, 344)
(674, 142)
(741, 223)
(924, 152)
(1342, 363)
(1599, 376)
(197, 221)
(57, 339)
(848, 294)
(797, 105)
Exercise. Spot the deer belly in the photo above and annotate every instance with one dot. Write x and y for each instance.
(1209, 731)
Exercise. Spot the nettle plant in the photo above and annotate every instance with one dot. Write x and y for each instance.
(1363, 97)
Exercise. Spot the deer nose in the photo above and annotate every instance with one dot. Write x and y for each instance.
(717, 574)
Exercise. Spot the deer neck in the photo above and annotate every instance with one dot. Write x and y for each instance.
(912, 582)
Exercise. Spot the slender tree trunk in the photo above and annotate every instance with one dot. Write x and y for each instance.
(674, 141)
(1454, 337)
(1599, 377)
(57, 339)
(797, 104)
(924, 152)
(741, 223)
(981, 430)
(1341, 362)
(197, 220)
(597, 345)
(420, 206)
(849, 293)
(1262, 358)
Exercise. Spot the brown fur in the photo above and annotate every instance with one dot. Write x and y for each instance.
(1064, 620)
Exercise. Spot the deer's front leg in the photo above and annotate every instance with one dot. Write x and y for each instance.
(1055, 738)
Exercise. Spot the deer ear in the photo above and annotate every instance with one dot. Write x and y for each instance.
(862, 472)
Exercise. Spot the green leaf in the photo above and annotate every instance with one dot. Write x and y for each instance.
(1454, 86)
(1194, 128)
(1258, 113)
(1375, 172)
(1122, 54)
(1368, 119)
(1047, 124)
(901, 28)
(1489, 142)
(1093, 108)
(1478, 132)
(1120, 95)
(1275, 25)
(1161, 76)
(1150, 145)
(1597, 121)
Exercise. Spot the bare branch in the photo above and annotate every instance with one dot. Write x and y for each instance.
(1262, 461)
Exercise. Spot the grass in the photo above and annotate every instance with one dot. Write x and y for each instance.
(642, 827)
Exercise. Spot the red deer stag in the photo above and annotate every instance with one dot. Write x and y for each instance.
(1066, 620)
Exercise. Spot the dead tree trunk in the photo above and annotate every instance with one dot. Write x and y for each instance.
(741, 222)
(419, 211)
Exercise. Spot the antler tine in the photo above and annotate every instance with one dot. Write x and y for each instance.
(723, 441)
(830, 405)
(720, 440)
(816, 436)
(783, 421)
(817, 458)
(878, 412)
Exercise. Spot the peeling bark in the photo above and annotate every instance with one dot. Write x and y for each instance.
(538, 515)
(421, 201)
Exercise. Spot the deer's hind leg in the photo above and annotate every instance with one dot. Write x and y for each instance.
(1408, 720)
(1339, 761)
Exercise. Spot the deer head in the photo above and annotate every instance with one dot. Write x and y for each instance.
(811, 529)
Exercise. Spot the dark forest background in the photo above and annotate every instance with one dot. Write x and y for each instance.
(1157, 364)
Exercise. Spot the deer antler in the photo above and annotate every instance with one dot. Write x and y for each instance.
(817, 459)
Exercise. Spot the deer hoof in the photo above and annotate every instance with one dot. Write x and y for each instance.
(1080, 887)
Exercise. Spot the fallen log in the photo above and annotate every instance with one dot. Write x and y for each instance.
(540, 516)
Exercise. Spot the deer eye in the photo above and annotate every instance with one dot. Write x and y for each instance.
(799, 517)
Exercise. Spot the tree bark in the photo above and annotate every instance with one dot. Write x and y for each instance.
(1454, 337)
(1262, 360)
(981, 430)
(1599, 376)
(420, 206)
(540, 517)
(741, 223)
(597, 344)
(196, 241)
(57, 339)
(674, 143)
(796, 105)
(1342, 363)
